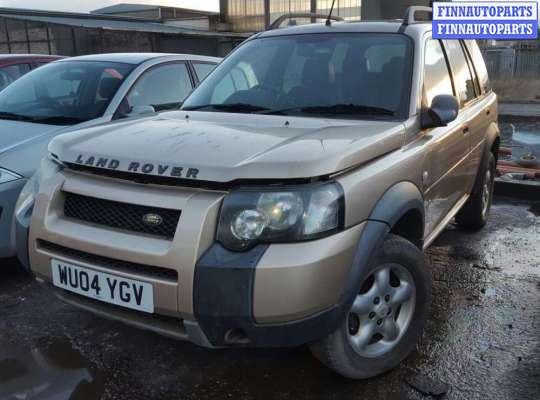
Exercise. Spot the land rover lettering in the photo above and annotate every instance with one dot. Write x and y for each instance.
(146, 168)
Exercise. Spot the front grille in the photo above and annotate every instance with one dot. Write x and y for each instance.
(110, 263)
(121, 215)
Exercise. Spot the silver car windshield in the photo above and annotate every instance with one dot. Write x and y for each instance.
(63, 93)
(341, 75)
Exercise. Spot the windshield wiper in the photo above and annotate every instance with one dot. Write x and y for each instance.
(56, 120)
(231, 107)
(336, 109)
(14, 117)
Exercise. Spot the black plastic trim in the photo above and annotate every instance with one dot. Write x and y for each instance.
(223, 290)
(396, 201)
(223, 296)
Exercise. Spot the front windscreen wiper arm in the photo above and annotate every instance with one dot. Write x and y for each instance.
(14, 117)
(57, 120)
(231, 107)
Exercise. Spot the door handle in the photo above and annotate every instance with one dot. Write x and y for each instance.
(488, 111)
(465, 130)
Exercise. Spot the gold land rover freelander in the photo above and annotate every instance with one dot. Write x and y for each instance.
(287, 202)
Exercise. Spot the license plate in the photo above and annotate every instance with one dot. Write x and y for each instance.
(102, 286)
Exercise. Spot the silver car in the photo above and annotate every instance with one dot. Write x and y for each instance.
(76, 93)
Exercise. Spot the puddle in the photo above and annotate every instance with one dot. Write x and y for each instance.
(51, 369)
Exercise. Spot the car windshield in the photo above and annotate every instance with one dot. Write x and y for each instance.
(340, 75)
(63, 93)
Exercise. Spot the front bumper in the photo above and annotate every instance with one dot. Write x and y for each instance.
(9, 192)
(272, 295)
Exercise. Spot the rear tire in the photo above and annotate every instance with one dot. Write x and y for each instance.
(475, 211)
(387, 317)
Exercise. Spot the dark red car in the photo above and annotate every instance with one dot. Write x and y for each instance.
(13, 66)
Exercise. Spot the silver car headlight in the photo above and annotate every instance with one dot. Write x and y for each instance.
(280, 215)
(48, 167)
(8, 176)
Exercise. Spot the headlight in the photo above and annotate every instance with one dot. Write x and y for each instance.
(48, 168)
(287, 214)
(8, 176)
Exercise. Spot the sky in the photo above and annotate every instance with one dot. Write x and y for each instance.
(87, 5)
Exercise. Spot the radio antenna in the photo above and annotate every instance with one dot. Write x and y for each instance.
(328, 23)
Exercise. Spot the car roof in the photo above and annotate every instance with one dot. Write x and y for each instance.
(383, 26)
(138, 58)
(13, 56)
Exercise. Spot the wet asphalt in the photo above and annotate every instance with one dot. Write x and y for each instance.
(482, 340)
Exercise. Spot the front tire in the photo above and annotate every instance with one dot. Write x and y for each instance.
(475, 211)
(387, 317)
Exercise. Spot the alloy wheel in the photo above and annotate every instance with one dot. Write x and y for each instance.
(382, 312)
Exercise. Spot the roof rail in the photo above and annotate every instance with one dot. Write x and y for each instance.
(277, 23)
(409, 17)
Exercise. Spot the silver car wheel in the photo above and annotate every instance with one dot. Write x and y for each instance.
(486, 193)
(382, 311)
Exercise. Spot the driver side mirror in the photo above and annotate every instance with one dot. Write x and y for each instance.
(444, 109)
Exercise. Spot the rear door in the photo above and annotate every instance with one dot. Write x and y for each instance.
(483, 109)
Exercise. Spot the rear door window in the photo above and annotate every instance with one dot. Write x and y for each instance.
(479, 65)
(163, 87)
(460, 70)
(11, 73)
(203, 69)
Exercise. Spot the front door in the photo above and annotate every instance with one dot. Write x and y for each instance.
(446, 175)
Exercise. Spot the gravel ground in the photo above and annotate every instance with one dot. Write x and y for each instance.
(482, 340)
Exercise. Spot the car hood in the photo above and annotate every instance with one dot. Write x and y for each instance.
(24, 144)
(222, 147)
(16, 133)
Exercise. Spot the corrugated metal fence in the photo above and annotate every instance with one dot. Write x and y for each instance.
(506, 64)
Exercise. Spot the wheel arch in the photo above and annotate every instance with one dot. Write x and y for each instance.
(493, 139)
(402, 208)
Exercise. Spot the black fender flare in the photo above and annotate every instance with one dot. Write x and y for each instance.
(492, 134)
(394, 204)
